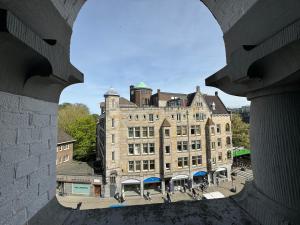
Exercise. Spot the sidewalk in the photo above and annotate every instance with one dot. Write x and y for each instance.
(96, 203)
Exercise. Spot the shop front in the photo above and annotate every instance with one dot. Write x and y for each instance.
(199, 177)
(178, 182)
(221, 174)
(152, 185)
(131, 187)
(81, 189)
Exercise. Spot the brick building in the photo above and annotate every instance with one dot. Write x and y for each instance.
(64, 149)
(162, 141)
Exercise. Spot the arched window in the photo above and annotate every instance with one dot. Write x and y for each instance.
(228, 154)
(227, 127)
(228, 141)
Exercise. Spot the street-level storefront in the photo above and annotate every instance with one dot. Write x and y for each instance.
(221, 174)
(81, 189)
(199, 177)
(153, 185)
(131, 187)
(178, 182)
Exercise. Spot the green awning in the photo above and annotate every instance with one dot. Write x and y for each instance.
(240, 152)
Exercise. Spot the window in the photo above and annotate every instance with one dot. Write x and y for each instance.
(180, 162)
(198, 129)
(218, 128)
(199, 159)
(184, 145)
(213, 145)
(167, 149)
(60, 148)
(137, 165)
(196, 144)
(184, 130)
(152, 165)
(136, 117)
(227, 127)
(130, 149)
(145, 148)
(167, 132)
(179, 130)
(64, 147)
(145, 165)
(151, 131)
(137, 149)
(144, 117)
(179, 148)
(113, 156)
(178, 116)
(112, 179)
(228, 141)
(212, 130)
(219, 142)
(213, 160)
(173, 116)
(112, 138)
(168, 166)
(151, 117)
(112, 122)
(219, 156)
(228, 154)
(194, 160)
(184, 116)
(151, 148)
(137, 132)
(185, 162)
(157, 117)
(131, 166)
(130, 132)
(193, 130)
(145, 132)
(130, 117)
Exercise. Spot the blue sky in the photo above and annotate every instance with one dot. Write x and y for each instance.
(169, 44)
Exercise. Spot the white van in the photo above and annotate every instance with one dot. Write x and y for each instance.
(213, 195)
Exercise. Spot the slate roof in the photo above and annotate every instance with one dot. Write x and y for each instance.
(123, 102)
(219, 106)
(74, 168)
(63, 137)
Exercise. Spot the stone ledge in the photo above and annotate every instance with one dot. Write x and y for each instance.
(206, 212)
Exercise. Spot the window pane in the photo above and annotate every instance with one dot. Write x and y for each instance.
(199, 159)
(130, 166)
(130, 132)
(180, 162)
(137, 149)
(151, 117)
(184, 130)
(145, 164)
(178, 130)
(179, 146)
(152, 165)
(185, 161)
(137, 132)
(167, 133)
(137, 165)
(145, 131)
(167, 149)
(151, 148)
(130, 149)
(151, 131)
(198, 129)
(145, 148)
(184, 145)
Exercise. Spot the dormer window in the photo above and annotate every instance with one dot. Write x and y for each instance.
(213, 106)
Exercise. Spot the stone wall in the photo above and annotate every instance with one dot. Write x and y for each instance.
(27, 156)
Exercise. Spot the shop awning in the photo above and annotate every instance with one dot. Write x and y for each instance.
(240, 152)
(180, 177)
(131, 181)
(152, 180)
(200, 174)
(221, 169)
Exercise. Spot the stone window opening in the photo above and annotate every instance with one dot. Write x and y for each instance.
(227, 127)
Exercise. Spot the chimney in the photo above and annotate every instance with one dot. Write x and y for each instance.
(131, 87)
(216, 93)
(197, 88)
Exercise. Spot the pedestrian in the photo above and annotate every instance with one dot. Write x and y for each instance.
(168, 198)
(122, 198)
(184, 188)
(194, 193)
(217, 181)
(148, 196)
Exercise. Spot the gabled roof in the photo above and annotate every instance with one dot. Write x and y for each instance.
(123, 102)
(190, 98)
(166, 123)
(63, 137)
(209, 122)
(219, 106)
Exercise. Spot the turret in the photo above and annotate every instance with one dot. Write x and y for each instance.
(140, 94)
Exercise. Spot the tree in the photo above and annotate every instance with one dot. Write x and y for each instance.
(76, 120)
(240, 132)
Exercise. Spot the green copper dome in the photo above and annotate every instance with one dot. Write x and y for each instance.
(141, 85)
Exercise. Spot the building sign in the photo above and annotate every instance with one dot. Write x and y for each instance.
(81, 189)
(97, 181)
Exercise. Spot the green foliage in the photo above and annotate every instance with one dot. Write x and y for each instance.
(240, 132)
(76, 120)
